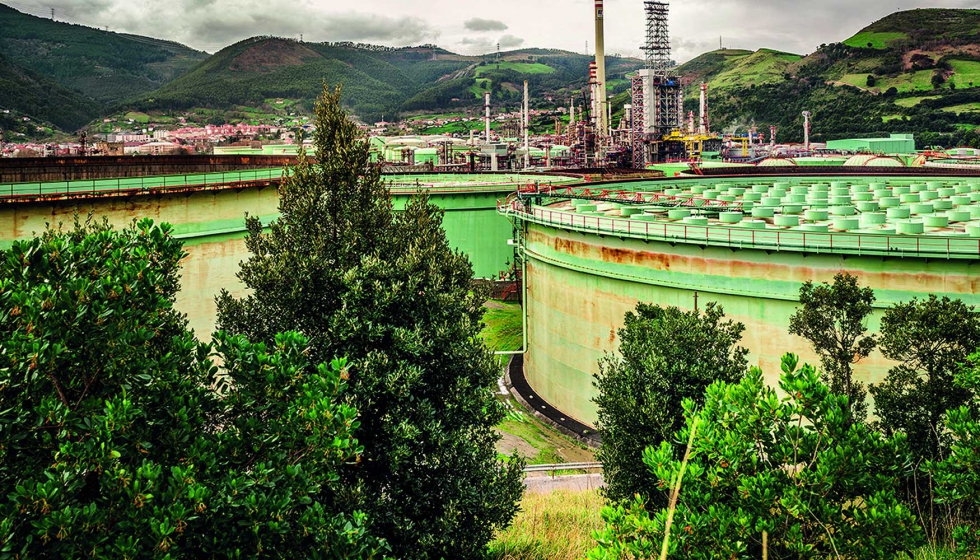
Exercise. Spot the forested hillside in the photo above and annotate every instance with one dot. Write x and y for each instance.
(105, 66)
(377, 81)
(25, 94)
(914, 71)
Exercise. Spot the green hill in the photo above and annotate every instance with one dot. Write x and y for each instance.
(102, 65)
(26, 94)
(728, 69)
(377, 81)
(919, 28)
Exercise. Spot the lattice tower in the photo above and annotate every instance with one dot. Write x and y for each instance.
(657, 46)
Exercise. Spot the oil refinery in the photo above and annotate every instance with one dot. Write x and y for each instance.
(587, 220)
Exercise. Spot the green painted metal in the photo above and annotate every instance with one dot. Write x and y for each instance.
(211, 222)
(583, 278)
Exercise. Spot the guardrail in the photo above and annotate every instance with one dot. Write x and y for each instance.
(103, 186)
(563, 467)
(742, 238)
(244, 178)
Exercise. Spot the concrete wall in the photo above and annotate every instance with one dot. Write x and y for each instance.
(581, 285)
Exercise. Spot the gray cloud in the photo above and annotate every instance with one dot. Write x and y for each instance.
(509, 42)
(214, 24)
(565, 24)
(480, 24)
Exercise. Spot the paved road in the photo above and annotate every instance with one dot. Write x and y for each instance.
(575, 482)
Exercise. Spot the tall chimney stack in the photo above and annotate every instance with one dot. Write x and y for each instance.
(600, 58)
(703, 128)
(487, 98)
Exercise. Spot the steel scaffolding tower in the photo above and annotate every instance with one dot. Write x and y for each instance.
(657, 91)
(658, 37)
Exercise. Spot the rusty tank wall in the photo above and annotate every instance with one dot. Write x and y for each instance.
(211, 223)
(580, 285)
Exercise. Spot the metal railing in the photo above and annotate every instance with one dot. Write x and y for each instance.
(563, 467)
(744, 238)
(203, 180)
(465, 187)
(102, 186)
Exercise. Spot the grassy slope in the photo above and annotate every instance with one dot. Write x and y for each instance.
(104, 66)
(539, 443)
(557, 526)
(761, 67)
(874, 40)
(522, 67)
(728, 69)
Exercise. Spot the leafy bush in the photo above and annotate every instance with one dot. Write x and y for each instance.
(794, 472)
(666, 356)
(958, 475)
(114, 442)
(834, 319)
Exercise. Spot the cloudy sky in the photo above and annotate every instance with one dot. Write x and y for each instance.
(475, 27)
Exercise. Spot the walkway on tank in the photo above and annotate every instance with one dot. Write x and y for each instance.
(444, 183)
(855, 215)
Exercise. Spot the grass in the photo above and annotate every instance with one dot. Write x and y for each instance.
(761, 67)
(913, 101)
(964, 108)
(878, 41)
(521, 431)
(888, 118)
(556, 526)
(540, 444)
(920, 80)
(141, 118)
(504, 331)
(480, 87)
(522, 67)
(966, 72)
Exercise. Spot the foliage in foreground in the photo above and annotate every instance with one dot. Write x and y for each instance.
(388, 292)
(958, 475)
(796, 470)
(666, 356)
(930, 340)
(113, 443)
(834, 319)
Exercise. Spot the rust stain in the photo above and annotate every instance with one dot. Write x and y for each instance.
(794, 272)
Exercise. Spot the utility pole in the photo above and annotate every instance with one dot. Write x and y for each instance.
(52, 14)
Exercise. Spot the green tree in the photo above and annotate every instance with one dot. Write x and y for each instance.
(930, 339)
(388, 292)
(957, 476)
(871, 81)
(938, 80)
(114, 442)
(834, 319)
(666, 356)
(793, 472)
